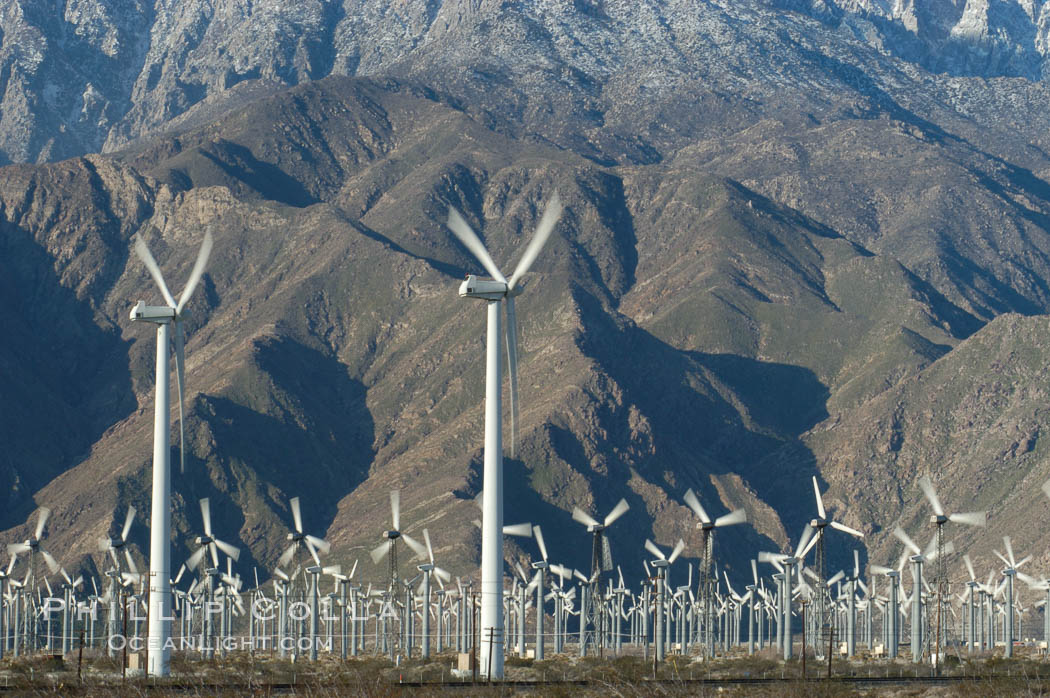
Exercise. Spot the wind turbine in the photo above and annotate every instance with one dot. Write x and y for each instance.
(707, 580)
(299, 540)
(824, 614)
(159, 632)
(33, 547)
(1011, 570)
(389, 546)
(601, 561)
(495, 291)
(661, 563)
(939, 518)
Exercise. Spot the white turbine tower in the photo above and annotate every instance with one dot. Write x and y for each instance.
(159, 634)
(494, 291)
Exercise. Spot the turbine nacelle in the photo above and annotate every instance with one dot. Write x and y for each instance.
(938, 519)
(819, 523)
(392, 534)
(485, 289)
(160, 314)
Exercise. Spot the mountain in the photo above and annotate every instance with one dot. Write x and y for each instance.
(787, 252)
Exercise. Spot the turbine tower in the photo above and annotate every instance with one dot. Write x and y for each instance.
(825, 605)
(707, 578)
(591, 603)
(495, 291)
(938, 519)
(159, 633)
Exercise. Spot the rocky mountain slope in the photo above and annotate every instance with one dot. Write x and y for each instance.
(786, 253)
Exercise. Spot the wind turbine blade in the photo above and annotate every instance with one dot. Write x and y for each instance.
(846, 529)
(969, 567)
(809, 546)
(1000, 556)
(127, 524)
(286, 556)
(230, 550)
(182, 570)
(52, 563)
(807, 534)
(206, 515)
(281, 574)
(430, 548)
(417, 547)
(931, 494)
(618, 511)
(197, 273)
(470, 240)
(1009, 551)
(512, 373)
(651, 547)
(972, 518)
(131, 562)
(19, 548)
(297, 514)
(1046, 488)
(678, 548)
(754, 571)
(395, 509)
(906, 539)
(352, 570)
(214, 550)
(313, 553)
(319, 543)
(835, 577)
(820, 500)
(856, 563)
(579, 515)
(693, 503)
(734, 517)
(151, 264)
(539, 239)
(522, 529)
(538, 534)
(880, 569)
(41, 521)
(180, 384)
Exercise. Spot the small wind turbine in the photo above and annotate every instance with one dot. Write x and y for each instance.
(389, 546)
(661, 563)
(1011, 570)
(495, 291)
(707, 580)
(939, 518)
(299, 540)
(159, 632)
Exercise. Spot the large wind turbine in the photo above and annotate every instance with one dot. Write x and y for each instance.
(158, 645)
(495, 291)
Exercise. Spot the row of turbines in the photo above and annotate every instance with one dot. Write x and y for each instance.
(607, 614)
(216, 614)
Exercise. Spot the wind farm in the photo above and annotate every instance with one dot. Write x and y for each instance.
(757, 397)
(477, 617)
